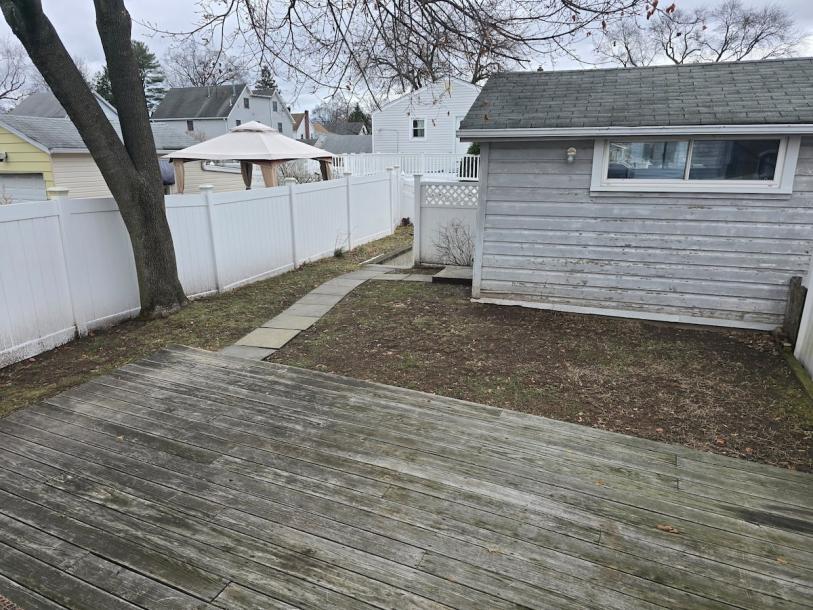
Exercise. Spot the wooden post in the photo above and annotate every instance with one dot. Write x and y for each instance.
(416, 221)
(207, 190)
(348, 177)
(290, 182)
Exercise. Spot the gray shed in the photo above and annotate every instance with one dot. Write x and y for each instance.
(678, 193)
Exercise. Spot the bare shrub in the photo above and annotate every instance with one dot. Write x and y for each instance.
(298, 171)
(455, 244)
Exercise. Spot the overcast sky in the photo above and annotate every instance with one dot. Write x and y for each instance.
(75, 22)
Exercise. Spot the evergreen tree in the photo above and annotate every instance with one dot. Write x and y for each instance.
(150, 72)
(359, 116)
(266, 80)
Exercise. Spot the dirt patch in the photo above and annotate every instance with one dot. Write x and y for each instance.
(730, 392)
(210, 323)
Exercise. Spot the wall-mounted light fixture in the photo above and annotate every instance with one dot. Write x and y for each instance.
(571, 155)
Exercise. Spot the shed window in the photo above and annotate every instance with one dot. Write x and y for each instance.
(274, 106)
(418, 128)
(190, 126)
(238, 122)
(279, 127)
(713, 164)
(246, 102)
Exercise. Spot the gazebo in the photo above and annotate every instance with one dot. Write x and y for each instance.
(251, 144)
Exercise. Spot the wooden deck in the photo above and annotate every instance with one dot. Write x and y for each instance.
(192, 479)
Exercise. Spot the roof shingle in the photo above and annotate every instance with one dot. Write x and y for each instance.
(742, 93)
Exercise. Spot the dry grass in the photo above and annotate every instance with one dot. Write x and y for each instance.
(210, 323)
(731, 392)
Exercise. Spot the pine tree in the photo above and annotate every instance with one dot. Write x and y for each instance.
(359, 116)
(150, 72)
(266, 80)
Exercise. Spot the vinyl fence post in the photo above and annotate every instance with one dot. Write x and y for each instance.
(207, 190)
(416, 221)
(348, 182)
(290, 182)
(391, 196)
(398, 209)
(57, 194)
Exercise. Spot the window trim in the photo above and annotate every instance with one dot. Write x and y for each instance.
(781, 184)
(412, 119)
(246, 102)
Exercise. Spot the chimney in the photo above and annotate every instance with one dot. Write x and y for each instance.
(307, 120)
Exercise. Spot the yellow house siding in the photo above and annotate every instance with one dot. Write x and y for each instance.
(195, 175)
(24, 158)
(78, 173)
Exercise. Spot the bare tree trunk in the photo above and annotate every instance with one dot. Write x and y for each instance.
(130, 169)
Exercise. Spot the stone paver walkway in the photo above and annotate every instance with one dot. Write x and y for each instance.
(274, 334)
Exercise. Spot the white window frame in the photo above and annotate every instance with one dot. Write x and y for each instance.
(412, 127)
(782, 184)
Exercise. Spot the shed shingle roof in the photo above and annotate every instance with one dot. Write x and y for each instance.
(198, 102)
(60, 134)
(744, 93)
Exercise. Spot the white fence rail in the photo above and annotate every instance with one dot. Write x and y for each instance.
(804, 340)
(66, 266)
(445, 215)
(462, 167)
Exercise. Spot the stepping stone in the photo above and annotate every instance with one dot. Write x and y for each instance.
(453, 275)
(269, 338)
(286, 320)
(390, 276)
(343, 283)
(247, 352)
(308, 311)
(362, 274)
(418, 277)
(320, 299)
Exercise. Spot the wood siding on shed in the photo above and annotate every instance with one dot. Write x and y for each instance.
(548, 241)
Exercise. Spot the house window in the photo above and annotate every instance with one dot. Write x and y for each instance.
(238, 122)
(279, 127)
(246, 103)
(274, 106)
(418, 129)
(709, 164)
(190, 126)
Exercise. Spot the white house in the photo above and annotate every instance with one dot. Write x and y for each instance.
(426, 120)
(206, 112)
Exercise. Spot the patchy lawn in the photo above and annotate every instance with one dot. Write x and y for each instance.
(210, 323)
(730, 392)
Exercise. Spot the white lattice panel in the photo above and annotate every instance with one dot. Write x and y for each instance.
(452, 195)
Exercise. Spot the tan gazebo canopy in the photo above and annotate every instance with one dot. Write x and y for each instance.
(251, 143)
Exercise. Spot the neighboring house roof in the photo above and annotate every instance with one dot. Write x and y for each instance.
(339, 144)
(318, 128)
(264, 92)
(347, 128)
(743, 93)
(297, 117)
(60, 135)
(44, 104)
(198, 102)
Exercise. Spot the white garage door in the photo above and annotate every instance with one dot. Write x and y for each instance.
(22, 187)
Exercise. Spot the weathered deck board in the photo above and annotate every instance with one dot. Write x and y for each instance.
(191, 479)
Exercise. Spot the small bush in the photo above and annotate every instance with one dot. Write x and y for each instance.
(454, 244)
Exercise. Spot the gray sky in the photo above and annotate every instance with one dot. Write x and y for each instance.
(75, 22)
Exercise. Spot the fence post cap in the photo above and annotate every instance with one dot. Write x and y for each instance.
(57, 192)
(206, 188)
(396, 166)
(346, 173)
(290, 180)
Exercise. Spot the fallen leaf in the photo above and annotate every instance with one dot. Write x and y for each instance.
(600, 482)
(781, 560)
(665, 527)
(720, 441)
(659, 430)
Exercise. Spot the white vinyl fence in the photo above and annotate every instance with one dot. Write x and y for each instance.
(66, 266)
(445, 215)
(804, 341)
(458, 167)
